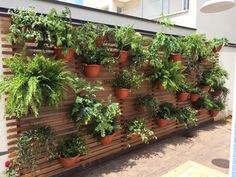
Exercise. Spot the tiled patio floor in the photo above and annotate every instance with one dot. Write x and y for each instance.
(211, 147)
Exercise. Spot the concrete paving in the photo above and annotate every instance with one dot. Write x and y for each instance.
(210, 147)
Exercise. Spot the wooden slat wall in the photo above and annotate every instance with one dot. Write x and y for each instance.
(61, 123)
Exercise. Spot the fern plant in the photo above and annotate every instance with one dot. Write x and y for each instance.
(36, 82)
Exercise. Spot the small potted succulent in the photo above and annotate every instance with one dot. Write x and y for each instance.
(146, 102)
(126, 39)
(218, 43)
(93, 59)
(216, 107)
(105, 123)
(126, 80)
(183, 92)
(195, 94)
(69, 149)
(165, 112)
(202, 105)
(186, 115)
(136, 128)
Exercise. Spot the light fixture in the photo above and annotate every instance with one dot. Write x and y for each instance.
(213, 6)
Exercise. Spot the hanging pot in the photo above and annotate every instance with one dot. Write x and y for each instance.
(194, 97)
(122, 93)
(192, 73)
(162, 122)
(160, 86)
(174, 57)
(68, 162)
(217, 49)
(141, 109)
(92, 70)
(107, 139)
(201, 111)
(135, 136)
(183, 96)
(205, 88)
(123, 57)
(214, 113)
(60, 55)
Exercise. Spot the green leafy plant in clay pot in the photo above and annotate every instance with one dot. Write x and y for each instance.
(206, 55)
(105, 123)
(37, 82)
(195, 94)
(126, 39)
(167, 75)
(126, 80)
(146, 102)
(165, 112)
(202, 105)
(175, 48)
(218, 43)
(206, 81)
(216, 107)
(191, 70)
(183, 92)
(94, 59)
(219, 90)
(69, 149)
(187, 116)
(136, 128)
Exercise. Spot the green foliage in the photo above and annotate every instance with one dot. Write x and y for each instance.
(140, 56)
(128, 79)
(71, 147)
(105, 121)
(36, 82)
(222, 89)
(216, 42)
(138, 127)
(29, 147)
(147, 101)
(126, 38)
(165, 22)
(187, 116)
(206, 53)
(196, 90)
(217, 105)
(203, 102)
(166, 111)
(183, 87)
(192, 45)
(170, 74)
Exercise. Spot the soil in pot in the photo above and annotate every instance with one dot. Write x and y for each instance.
(183, 96)
(122, 93)
(123, 56)
(201, 111)
(217, 49)
(160, 86)
(68, 162)
(194, 97)
(205, 88)
(70, 54)
(174, 57)
(107, 139)
(92, 70)
(214, 113)
(162, 122)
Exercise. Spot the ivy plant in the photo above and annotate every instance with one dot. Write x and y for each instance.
(37, 82)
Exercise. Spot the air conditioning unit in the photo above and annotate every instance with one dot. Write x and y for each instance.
(124, 0)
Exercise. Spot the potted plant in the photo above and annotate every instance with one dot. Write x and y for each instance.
(145, 102)
(191, 70)
(187, 116)
(37, 82)
(126, 80)
(216, 107)
(137, 128)
(175, 49)
(126, 39)
(218, 43)
(206, 55)
(202, 105)
(165, 112)
(183, 92)
(195, 94)
(206, 81)
(218, 90)
(105, 124)
(167, 75)
(93, 59)
(69, 149)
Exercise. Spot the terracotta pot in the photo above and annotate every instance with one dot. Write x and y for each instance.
(205, 88)
(205, 61)
(123, 57)
(68, 162)
(182, 96)
(60, 55)
(201, 111)
(100, 41)
(92, 70)
(213, 113)
(135, 136)
(175, 57)
(216, 93)
(122, 93)
(116, 53)
(162, 122)
(160, 86)
(217, 49)
(107, 139)
(192, 73)
(194, 97)
(140, 109)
